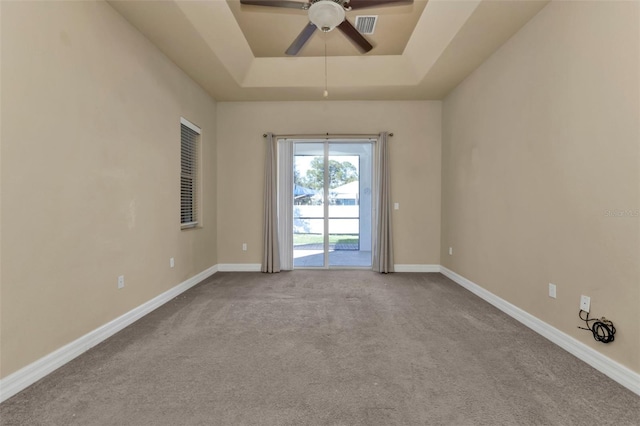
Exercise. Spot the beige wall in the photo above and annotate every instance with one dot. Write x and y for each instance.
(538, 144)
(90, 174)
(415, 163)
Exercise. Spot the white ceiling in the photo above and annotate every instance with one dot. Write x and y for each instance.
(236, 52)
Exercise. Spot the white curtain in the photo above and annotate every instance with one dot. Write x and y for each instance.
(383, 249)
(285, 203)
(271, 253)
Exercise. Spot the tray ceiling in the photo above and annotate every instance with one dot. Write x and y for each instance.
(236, 52)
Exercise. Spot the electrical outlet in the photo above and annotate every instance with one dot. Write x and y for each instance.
(121, 281)
(585, 303)
(244, 246)
(450, 251)
(172, 263)
(552, 290)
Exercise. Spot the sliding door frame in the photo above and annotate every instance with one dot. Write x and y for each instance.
(289, 246)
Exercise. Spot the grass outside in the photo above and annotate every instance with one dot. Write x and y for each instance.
(300, 239)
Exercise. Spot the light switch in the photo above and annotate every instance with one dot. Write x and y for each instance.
(396, 206)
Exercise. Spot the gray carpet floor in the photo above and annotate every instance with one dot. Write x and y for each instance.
(325, 348)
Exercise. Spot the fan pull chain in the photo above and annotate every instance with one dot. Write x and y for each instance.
(326, 88)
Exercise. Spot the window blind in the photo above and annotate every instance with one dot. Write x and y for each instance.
(189, 139)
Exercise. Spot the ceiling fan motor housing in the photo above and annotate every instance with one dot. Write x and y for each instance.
(326, 14)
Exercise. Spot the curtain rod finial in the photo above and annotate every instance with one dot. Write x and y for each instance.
(390, 134)
(264, 135)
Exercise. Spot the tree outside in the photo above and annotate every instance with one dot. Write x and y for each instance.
(340, 173)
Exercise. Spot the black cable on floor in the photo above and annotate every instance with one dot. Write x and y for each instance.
(601, 328)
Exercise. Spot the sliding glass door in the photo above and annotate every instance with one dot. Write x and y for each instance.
(332, 204)
(308, 205)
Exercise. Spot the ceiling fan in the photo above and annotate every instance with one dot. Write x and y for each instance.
(327, 15)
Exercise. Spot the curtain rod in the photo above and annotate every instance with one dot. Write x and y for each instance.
(346, 135)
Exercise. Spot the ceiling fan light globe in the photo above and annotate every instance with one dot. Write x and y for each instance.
(326, 14)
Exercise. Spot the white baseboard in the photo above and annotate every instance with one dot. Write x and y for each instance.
(239, 267)
(256, 267)
(21, 379)
(416, 268)
(618, 372)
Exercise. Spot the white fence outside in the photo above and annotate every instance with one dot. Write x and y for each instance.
(309, 219)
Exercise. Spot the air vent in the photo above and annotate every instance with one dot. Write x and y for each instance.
(366, 24)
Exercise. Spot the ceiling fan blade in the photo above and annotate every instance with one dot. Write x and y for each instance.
(302, 38)
(361, 4)
(350, 31)
(277, 3)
